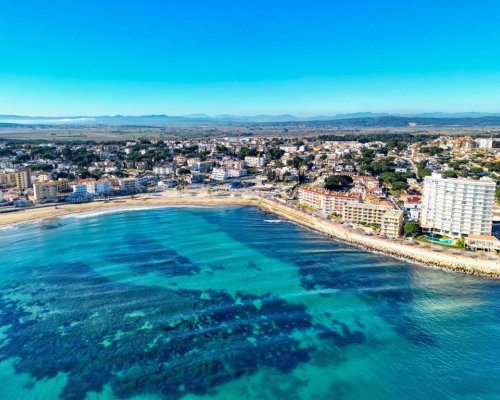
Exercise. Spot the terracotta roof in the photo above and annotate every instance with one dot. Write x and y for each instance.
(483, 237)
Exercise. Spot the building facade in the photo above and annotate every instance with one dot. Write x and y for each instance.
(220, 174)
(256, 162)
(129, 185)
(457, 207)
(20, 178)
(45, 191)
(392, 223)
(324, 200)
(386, 217)
(362, 213)
(482, 242)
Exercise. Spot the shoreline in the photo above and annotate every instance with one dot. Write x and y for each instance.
(415, 254)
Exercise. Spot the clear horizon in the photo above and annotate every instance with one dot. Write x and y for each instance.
(321, 58)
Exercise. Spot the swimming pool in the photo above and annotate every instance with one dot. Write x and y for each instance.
(447, 242)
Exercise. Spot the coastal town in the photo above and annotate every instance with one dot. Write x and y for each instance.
(425, 188)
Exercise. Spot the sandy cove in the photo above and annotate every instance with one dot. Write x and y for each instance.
(460, 263)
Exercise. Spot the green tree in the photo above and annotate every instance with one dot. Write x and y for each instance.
(412, 228)
(476, 171)
(275, 153)
(450, 174)
(338, 182)
(245, 151)
(183, 171)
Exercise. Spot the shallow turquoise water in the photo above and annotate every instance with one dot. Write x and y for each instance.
(230, 303)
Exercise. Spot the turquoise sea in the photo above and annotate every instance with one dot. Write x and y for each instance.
(231, 303)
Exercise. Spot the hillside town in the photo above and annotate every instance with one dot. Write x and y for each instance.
(443, 190)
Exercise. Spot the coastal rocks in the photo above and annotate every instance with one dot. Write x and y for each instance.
(459, 263)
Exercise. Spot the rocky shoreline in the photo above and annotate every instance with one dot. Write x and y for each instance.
(459, 263)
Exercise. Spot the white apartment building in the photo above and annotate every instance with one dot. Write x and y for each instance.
(457, 207)
(164, 169)
(220, 174)
(484, 143)
(79, 188)
(256, 162)
(201, 166)
(45, 191)
(236, 172)
(101, 186)
(129, 185)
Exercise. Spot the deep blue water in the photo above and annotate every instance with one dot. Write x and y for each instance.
(230, 303)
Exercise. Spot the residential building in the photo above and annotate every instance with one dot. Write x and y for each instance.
(201, 166)
(482, 242)
(236, 172)
(411, 207)
(62, 185)
(361, 213)
(256, 162)
(392, 223)
(484, 143)
(100, 187)
(129, 185)
(457, 207)
(45, 191)
(325, 200)
(79, 188)
(97, 188)
(220, 174)
(164, 169)
(20, 178)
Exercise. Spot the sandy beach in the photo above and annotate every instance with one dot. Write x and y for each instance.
(431, 255)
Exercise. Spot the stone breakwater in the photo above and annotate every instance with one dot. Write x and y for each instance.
(460, 263)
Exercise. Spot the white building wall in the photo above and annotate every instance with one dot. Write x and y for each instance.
(457, 207)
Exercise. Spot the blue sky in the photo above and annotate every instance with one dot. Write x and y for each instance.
(302, 57)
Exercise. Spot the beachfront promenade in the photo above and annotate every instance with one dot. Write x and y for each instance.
(436, 256)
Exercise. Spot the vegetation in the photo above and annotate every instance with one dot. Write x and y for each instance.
(245, 151)
(412, 229)
(422, 170)
(338, 182)
(275, 153)
(450, 174)
(432, 150)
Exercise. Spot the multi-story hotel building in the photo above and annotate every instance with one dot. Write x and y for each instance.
(220, 174)
(45, 191)
(20, 178)
(102, 186)
(457, 207)
(389, 219)
(129, 185)
(256, 161)
(364, 213)
(392, 223)
(325, 200)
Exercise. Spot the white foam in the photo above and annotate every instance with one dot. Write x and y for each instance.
(274, 221)
(96, 213)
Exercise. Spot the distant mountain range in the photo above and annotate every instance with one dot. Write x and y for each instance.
(353, 119)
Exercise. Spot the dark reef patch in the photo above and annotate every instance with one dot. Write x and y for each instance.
(147, 255)
(67, 318)
(390, 294)
(344, 337)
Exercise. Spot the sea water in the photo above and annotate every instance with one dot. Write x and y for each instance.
(226, 303)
